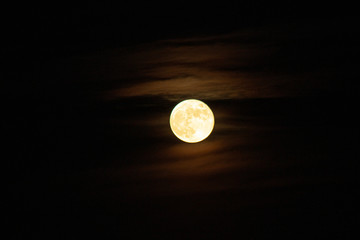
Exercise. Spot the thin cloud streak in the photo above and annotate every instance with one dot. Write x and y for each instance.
(215, 87)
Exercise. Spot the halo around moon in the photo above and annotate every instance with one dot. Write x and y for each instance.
(192, 121)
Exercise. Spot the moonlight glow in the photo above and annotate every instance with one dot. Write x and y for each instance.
(192, 121)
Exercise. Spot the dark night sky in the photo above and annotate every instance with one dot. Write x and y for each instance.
(89, 90)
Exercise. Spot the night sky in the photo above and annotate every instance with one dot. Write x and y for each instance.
(88, 94)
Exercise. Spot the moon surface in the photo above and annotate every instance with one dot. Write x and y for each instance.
(192, 121)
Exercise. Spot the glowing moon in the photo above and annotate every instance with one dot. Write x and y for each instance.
(192, 121)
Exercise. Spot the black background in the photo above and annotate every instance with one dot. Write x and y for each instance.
(83, 167)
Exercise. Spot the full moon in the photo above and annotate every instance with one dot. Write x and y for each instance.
(192, 121)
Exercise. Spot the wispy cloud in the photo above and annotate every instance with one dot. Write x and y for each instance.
(218, 67)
